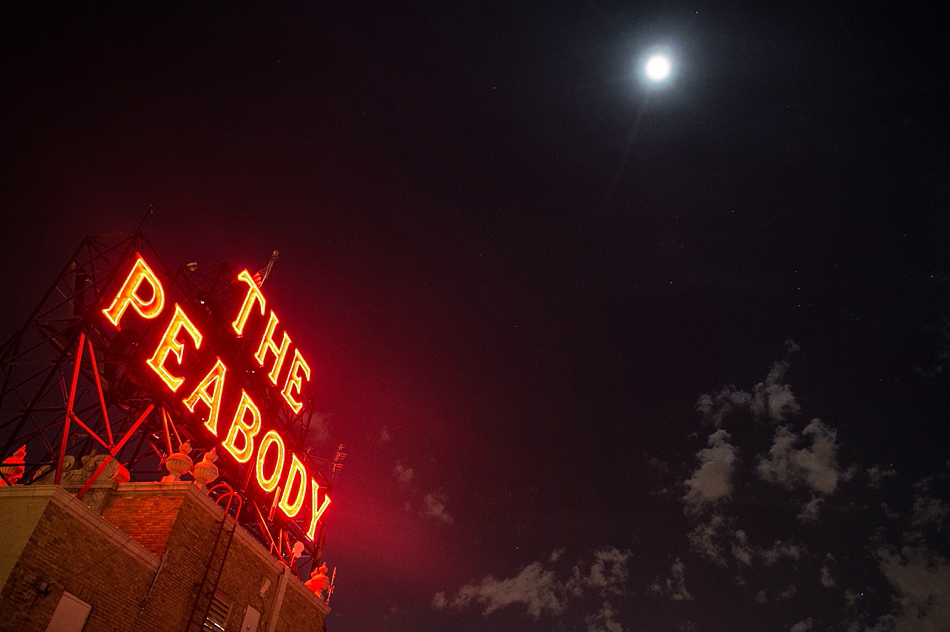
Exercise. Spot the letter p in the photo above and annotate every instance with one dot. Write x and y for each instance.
(130, 294)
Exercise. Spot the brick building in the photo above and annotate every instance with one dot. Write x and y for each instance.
(140, 557)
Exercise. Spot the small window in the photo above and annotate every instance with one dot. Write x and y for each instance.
(218, 613)
(70, 614)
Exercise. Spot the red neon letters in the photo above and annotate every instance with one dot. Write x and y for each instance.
(268, 344)
(294, 380)
(297, 477)
(269, 482)
(171, 344)
(315, 486)
(215, 381)
(254, 295)
(129, 295)
(180, 336)
(246, 430)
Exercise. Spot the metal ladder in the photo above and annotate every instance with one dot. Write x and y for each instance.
(204, 598)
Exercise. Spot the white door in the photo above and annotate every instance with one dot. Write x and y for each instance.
(70, 614)
(251, 619)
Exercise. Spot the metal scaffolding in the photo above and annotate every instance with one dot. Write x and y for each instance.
(72, 386)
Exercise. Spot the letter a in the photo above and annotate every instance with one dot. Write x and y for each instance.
(213, 382)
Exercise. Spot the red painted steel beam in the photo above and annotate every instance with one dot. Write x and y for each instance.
(69, 409)
(118, 448)
(102, 399)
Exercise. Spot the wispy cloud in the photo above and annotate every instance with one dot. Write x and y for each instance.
(542, 590)
(811, 509)
(771, 400)
(927, 509)
(713, 538)
(534, 587)
(921, 580)
(674, 586)
(918, 572)
(317, 431)
(826, 579)
(711, 481)
(403, 474)
(434, 507)
(715, 407)
(607, 573)
(706, 537)
(434, 504)
(877, 474)
(781, 550)
(802, 626)
(741, 549)
(787, 469)
(604, 620)
(813, 465)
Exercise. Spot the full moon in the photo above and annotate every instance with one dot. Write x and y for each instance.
(657, 67)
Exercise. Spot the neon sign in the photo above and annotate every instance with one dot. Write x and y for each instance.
(278, 471)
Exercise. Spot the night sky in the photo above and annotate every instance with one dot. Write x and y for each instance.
(605, 356)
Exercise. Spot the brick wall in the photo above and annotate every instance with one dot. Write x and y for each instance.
(74, 550)
(296, 613)
(141, 565)
(246, 567)
(147, 520)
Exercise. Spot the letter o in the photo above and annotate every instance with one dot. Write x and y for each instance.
(269, 483)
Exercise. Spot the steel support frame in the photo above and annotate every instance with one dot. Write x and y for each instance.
(105, 396)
